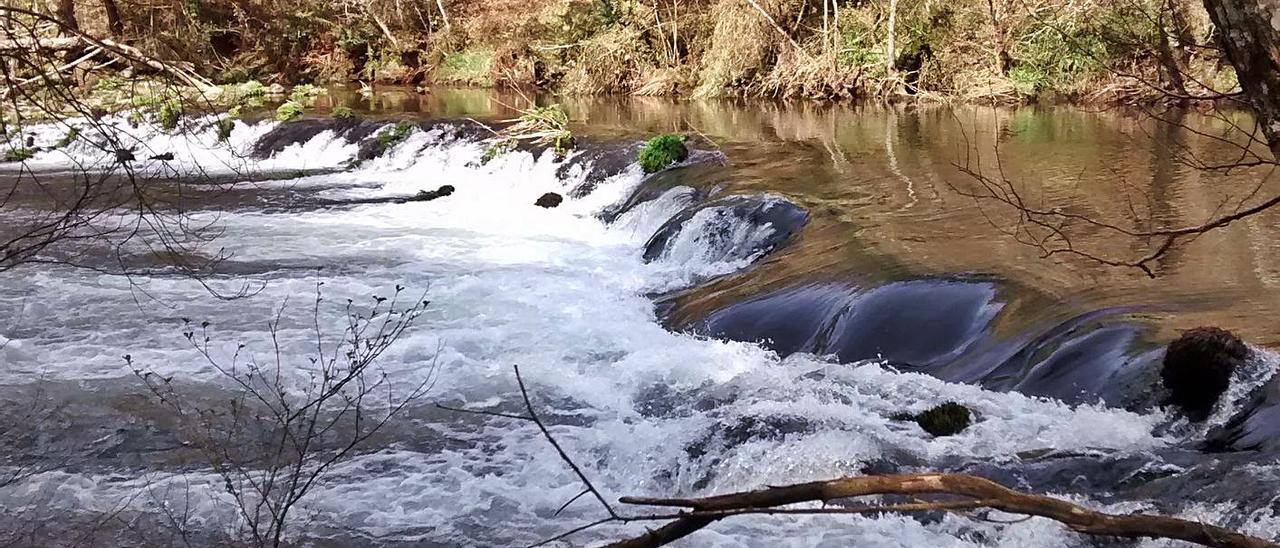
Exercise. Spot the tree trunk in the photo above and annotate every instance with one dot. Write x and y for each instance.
(1250, 34)
(891, 55)
(67, 14)
(113, 18)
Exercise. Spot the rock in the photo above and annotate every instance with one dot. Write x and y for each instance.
(772, 222)
(549, 200)
(165, 157)
(276, 89)
(1197, 368)
(945, 420)
(124, 155)
(427, 196)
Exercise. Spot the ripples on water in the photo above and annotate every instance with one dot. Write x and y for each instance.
(782, 367)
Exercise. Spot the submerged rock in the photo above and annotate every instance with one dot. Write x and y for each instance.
(1198, 366)
(549, 200)
(165, 157)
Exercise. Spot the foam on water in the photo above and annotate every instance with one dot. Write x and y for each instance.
(646, 411)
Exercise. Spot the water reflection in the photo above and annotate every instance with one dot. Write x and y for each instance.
(881, 184)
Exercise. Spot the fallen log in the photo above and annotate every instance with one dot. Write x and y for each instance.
(53, 43)
(704, 511)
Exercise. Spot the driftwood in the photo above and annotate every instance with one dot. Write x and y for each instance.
(55, 43)
(78, 38)
(985, 493)
(975, 493)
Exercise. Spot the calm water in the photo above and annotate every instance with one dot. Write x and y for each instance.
(710, 363)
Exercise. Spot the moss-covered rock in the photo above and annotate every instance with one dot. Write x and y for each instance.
(549, 200)
(342, 113)
(18, 154)
(662, 151)
(944, 420)
(1198, 366)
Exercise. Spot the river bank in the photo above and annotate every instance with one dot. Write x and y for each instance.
(977, 51)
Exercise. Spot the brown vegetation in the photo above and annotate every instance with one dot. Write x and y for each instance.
(972, 49)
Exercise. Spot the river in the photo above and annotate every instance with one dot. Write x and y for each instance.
(817, 274)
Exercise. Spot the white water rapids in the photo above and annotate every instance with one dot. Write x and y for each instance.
(643, 410)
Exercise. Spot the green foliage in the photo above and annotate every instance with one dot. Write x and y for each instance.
(1028, 80)
(250, 89)
(305, 92)
(390, 136)
(342, 113)
(469, 67)
(498, 148)
(109, 83)
(662, 151)
(18, 154)
(168, 115)
(547, 125)
(857, 50)
(288, 111)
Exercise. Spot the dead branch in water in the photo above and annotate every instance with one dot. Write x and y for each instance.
(985, 493)
(975, 492)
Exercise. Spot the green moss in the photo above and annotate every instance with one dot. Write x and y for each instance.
(470, 67)
(168, 115)
(18, 154)
(662, 151)
(945, 420)
(225, 126)
(389, 136)
(342, 113)
(288, 111)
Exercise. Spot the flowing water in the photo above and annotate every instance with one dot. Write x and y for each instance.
(754, 316)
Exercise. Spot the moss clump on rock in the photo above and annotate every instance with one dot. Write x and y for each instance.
(18, 154)
(549, 200)
(288, 111)
(342, 113)
(945, 420)
(168, 115)
(428, 195)
(1198, 366)
(662, 151)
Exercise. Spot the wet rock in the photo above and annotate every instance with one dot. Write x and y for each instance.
(1197, 368)
(720, 220)
(700, 172)
(1255, 427)
(945, 420)
(294, 132)
(549, 200)
(165, 157)
(427, 196)
(596, 162)
(124, 155)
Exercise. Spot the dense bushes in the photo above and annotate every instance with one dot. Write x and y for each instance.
(969, 48)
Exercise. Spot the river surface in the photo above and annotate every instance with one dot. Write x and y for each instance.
(755, 316)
